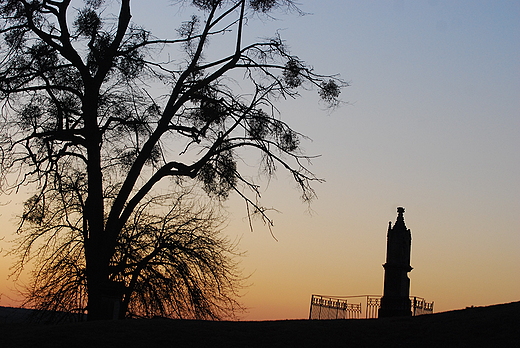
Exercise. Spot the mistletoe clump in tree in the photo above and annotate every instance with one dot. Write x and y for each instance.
(84, 129)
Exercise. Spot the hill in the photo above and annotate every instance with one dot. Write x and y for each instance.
(493, 326)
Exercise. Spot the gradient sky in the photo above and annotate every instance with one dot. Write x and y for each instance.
(432, 124)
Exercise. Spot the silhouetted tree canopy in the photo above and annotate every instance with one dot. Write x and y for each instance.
(170, 259)
(84, 127)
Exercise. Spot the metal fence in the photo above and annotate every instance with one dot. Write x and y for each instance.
(326, 307)
(351, 307)
(420, 306)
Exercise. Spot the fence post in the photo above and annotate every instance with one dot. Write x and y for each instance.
(310, 310)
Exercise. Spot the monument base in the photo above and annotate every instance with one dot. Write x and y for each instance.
(395, 307)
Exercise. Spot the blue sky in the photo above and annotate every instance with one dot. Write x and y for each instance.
(433, 124)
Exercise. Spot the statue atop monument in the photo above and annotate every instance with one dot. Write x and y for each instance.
(396, 293)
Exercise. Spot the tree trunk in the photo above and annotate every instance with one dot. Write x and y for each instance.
(97, 251)
(97, 243)
(99, 305)
(104, 295)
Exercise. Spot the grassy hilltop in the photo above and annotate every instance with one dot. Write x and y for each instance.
(493, 326)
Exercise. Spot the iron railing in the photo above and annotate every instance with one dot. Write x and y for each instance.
(420, 306)
(326, 307)
(340, 307)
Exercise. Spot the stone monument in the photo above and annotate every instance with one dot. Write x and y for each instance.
(396, 294)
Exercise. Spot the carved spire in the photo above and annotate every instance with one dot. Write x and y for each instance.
(399, 223)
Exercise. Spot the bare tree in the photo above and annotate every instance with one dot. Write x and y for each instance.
(170, 260)
(78, 109)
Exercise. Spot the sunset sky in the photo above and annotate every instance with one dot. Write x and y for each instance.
(431, 123)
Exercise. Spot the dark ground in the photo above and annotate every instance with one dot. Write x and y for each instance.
(493, 326)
